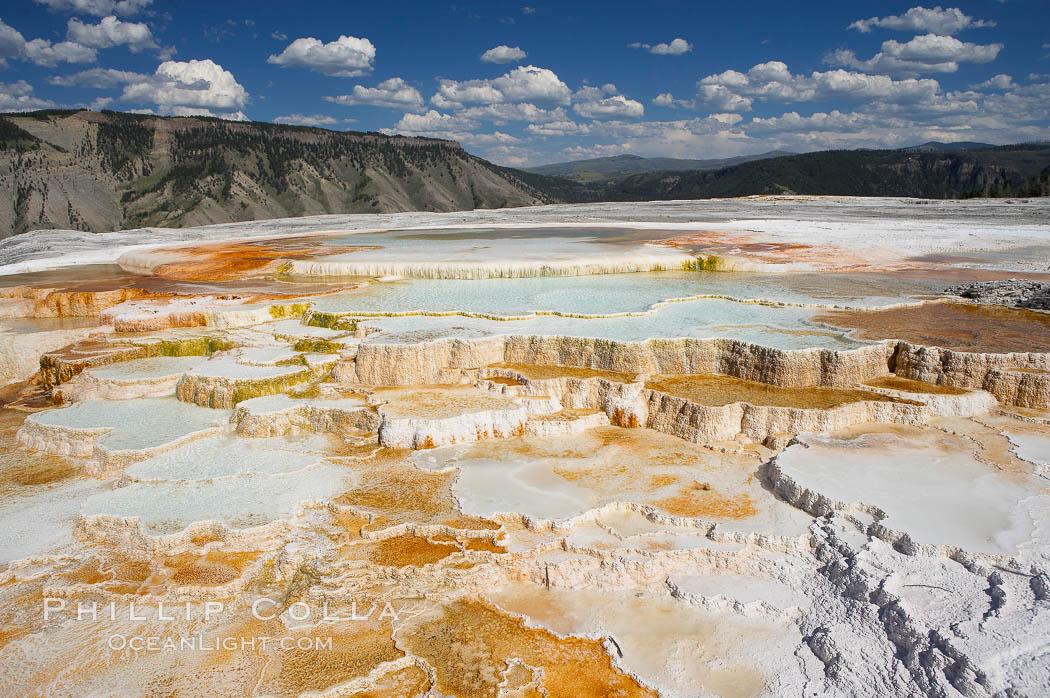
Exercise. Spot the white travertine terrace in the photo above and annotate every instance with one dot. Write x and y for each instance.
(657, 483)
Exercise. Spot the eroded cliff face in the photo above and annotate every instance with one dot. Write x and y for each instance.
(108, 171)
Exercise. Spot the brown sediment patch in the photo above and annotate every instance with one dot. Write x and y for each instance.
(20, 613)
(239, 260)
(214, 568)
(569, 414)
(700, 500)
(487, 545)
(411, 682)
(119, 574)
(712, 243)
(637, 461)
(662, 480)
(912, 386)
(738, 244)
(469, 523)
(716, 391)
(439, 401)
(967, 274)
(20, 467)
(409, 550)
(402, 493)
(1025, 412)
(594, 476)
(529, 447)
(350, 522)
(956, 326)
(471, 644)
(538, 372)
(357, 648)
(502, 380)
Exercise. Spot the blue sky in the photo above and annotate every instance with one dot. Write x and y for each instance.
(529, 83)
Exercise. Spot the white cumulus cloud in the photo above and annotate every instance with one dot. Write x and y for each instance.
(99, 78)
(733, 91)
(433, 122)
(18, 96)
(394, 92)
(676, 47)
(110, 32)
(43, 52)
(320, 120)
(521, 111)
(929, 53)
(195, 83)
(922, 19)
(1001, 81)
(503, 54)
(346, 57)
(523, 84)
(12, 43)
(558, 128)
(204, 111)
(617, 105)
(98, 8)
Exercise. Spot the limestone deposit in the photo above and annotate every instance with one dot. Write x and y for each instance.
(674, 483)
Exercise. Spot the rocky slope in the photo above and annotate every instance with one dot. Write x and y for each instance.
(106, 171)
(1014, 293)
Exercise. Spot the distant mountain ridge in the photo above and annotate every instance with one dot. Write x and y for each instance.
(100, 171)
(617, 166)
(939, 147)
(997, 171)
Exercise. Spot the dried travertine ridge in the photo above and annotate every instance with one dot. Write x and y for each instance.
(527, 514)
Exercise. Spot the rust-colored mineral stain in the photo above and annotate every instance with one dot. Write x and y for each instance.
(487, 545)
(239, 260)
(717, 391)
(409, 550)
(698, 499)
(957, 326)
(472, 644)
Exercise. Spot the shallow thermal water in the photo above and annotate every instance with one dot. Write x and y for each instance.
(455, 244)
(45, 324)
(603, 294)
(251, 499)
(562, 477)
(228, 456)
(135, 424)
(786, 328)
(931, 489)
(153, 367)
(1034, 448)
(40, 519)
(706, 652)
